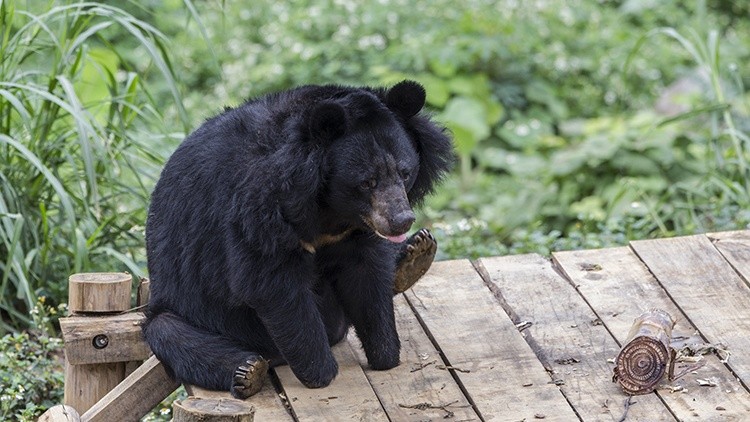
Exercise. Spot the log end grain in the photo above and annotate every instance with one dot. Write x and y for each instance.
(195, 409)
(646, 355)
(99, 292)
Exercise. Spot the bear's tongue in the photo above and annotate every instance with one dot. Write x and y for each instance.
(397, 239)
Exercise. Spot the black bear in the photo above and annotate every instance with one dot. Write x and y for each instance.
(278, 224)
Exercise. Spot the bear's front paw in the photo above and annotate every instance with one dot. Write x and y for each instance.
(415, 259)
(321, 375)
(249, 377)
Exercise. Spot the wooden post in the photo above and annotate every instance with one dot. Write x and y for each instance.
(90, 296)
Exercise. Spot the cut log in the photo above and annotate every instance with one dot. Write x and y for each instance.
(60, 413)
(99, 292)
(646, 356)
(194, 409)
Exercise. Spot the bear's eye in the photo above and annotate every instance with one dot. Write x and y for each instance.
(368, 184)
(405, 175)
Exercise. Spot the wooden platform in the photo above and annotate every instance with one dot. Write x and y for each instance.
(524, 338)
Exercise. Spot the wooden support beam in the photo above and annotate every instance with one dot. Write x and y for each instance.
(135, 396)
(105, 339)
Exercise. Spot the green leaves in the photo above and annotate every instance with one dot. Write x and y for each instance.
(467, 119)
(77, 146)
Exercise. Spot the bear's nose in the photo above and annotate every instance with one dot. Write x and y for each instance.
(402, 221)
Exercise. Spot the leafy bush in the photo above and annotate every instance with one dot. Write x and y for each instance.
(555, 106)
(79, 136)
(31, 370)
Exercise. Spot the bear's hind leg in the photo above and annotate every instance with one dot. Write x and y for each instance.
(414, 260)
(203, 358)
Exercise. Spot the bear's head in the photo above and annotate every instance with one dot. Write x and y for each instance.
(372, 158)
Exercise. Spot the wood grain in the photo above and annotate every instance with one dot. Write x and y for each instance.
(267, 403)
(619, 290)
(707, 289)
(135, 396)
(567, 339)
(99, 292)
(349, 397)
(496, 367)
(416, 390)
(124, 341)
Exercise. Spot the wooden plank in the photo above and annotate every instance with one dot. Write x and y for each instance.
(348, 397)
(619, 287)
(121, 338)
(135, 396)
(707, 289)
(267, 403)
(85, 385)
(496, 367)
(416, 390)
(566, 338)
(735, 247)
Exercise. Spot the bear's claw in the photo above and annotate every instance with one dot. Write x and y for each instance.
(249, 377)
(416, 258)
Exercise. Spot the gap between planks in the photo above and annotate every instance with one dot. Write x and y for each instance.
(496, 367)
(565, 337)
(619, 286)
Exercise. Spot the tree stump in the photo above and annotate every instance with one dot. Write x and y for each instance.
(646, 355)
(194, 409)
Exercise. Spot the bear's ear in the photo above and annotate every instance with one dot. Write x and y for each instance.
(327, 121)
(406, 98)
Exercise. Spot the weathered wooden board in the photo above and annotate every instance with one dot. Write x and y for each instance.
(735, 247)
(416, 390)
(121, 334)
(619, 287)
(267, 403)
(500, 372)
(566, 336)
(707, 289)
(135, 396)
(348, 397)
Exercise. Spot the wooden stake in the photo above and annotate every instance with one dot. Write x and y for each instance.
(99, 292)
(94, 295)
(646, 356)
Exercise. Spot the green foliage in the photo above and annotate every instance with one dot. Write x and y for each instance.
(31, 372)
(77, 157)
(553, 105)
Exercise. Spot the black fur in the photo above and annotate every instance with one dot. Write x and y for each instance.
(266, 230)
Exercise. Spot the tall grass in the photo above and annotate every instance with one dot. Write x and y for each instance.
(727, 184)
(79, 135)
